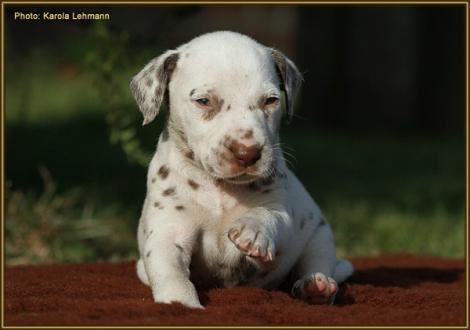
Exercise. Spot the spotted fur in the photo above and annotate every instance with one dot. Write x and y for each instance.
(163, 172)
(194, 185)
(169, 192)
(222, 206)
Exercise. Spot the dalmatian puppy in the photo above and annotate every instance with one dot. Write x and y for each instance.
(222, 208)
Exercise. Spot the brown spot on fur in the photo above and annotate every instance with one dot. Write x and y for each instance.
(189, 154)
(153, 180)
(248, 134)
(229, 107)
(193, 184)
(148, 253)
(191, 93)
(163, 172)
(179, 207)
(170, 64)
(251, 107)
(156, 204)
(216, 106)
(169, 192)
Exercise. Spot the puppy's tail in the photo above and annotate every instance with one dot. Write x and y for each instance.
(343, 270)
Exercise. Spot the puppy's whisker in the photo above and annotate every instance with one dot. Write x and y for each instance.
(284, 145)
(287, 161)
(286, 156)
(290, 156)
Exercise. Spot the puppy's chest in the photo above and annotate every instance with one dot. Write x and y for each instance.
(214, 201)
(201, 199)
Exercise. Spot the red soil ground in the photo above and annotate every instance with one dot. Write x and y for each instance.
(388, 290)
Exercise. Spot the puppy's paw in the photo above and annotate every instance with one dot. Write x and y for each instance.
(175, 291)
(316, 289)
(252, 240)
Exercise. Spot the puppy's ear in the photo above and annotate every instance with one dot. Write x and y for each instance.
(290, 76)
(150, 84)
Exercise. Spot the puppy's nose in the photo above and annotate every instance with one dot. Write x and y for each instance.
(245, 155)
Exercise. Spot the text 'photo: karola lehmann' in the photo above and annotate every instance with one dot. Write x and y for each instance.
(62, 16)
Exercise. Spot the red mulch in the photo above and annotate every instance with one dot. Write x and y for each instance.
(388, 290)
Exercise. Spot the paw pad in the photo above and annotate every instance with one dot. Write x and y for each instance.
(250, 238)
(316, 289)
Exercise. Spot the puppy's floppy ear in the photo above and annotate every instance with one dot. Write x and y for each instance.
(290, 76)
(150, 84)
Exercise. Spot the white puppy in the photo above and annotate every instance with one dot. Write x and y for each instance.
(222, 208)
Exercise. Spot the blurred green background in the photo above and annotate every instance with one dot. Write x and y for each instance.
(378, 139)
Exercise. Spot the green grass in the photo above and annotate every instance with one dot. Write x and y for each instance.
(71, 196)
(71, 226)
(383, 194)
(415, 206)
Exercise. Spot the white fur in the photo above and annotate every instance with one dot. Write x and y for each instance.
(176, 243)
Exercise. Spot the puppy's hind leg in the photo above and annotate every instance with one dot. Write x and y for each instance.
(343, 270)
(141, 272)
(318, 269)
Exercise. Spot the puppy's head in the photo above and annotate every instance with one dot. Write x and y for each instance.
(225, 101)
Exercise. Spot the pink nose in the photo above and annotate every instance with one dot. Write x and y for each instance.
(245, 155)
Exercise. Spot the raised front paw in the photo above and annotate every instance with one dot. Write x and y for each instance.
(252, 239)
(316, 289)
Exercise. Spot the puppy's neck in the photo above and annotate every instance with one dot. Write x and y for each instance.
(176, 134)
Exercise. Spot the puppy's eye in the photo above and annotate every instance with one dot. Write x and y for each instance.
(204, 102)
(271, 100)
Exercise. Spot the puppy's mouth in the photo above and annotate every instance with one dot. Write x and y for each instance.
(242, 178)
(232, 171)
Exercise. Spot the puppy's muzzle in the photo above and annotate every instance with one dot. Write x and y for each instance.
(245, 155)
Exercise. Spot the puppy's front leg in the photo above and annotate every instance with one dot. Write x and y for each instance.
(256, 233)
(167, 257)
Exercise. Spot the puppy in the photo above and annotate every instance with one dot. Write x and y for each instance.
(222, 208)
